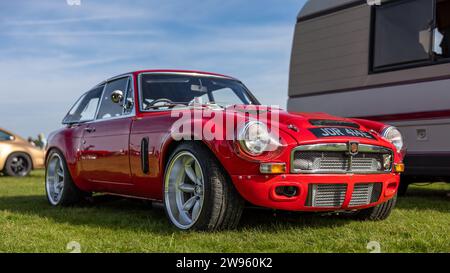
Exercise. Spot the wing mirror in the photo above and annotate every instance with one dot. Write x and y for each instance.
(117, 96)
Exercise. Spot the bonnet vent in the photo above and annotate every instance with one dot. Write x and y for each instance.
(332, 123)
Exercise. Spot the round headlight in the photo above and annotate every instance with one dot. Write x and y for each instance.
(394, 136)
(254, 138)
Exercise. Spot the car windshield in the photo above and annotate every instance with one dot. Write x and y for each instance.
(158, 91)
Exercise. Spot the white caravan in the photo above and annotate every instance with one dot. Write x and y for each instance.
(385, 60)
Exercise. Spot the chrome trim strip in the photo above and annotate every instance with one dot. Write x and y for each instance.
(133, 111)
(112, 183)
(339, 147)
(99, 102)
(338, 172)
(342, 147)
(188, 74)
(125, 95)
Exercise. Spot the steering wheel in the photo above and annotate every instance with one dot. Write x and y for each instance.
(159, 101)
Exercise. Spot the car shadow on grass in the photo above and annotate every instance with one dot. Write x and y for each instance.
(105, 212)
(118, 213)
(126, 214)
(263, 219)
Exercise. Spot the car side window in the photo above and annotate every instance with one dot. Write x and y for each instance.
(85, 108)
(128, 105)
(109, 109)
(4, 136)
(88, 112)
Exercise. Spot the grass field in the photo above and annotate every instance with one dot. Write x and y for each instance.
(420, 223)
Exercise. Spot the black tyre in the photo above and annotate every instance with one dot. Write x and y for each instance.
(378, 213)
(198, 194)
(59, 186)
(18, 165)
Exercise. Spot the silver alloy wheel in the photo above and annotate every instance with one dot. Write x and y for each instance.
(184, 190)
(54, 180)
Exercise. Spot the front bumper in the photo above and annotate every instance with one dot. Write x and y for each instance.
(260, 190)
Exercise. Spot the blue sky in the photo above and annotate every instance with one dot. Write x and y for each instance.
(51, 52)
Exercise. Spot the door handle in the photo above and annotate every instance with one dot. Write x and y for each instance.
(89, 129)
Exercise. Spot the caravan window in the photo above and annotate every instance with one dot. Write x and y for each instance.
(409, 33)
(402, 33)
(442, 31)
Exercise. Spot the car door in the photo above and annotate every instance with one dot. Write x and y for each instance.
(76, 120)
(105, 144)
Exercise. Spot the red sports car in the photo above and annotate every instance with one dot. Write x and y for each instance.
(203, 145)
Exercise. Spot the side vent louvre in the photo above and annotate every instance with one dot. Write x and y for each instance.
(144, 155)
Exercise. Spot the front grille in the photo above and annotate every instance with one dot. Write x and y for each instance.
(313, 161)
(333, 195)
(326, 195)
(362, 194)
(365, 194)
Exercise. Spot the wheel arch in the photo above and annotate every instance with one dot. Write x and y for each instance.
(171, 144)
(49, 150)
(70, 166)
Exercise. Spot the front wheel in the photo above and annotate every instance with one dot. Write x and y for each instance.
(197, 192)
(378, 213)
(59, 186)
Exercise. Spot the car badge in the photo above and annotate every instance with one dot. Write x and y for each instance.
(353, 148)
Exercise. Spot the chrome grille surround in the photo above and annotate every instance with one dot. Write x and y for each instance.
(334, 158)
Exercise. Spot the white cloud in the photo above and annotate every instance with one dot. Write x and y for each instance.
(41, 22)
(50, 62)
(78, 33)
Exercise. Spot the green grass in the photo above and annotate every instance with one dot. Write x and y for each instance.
(420, 223)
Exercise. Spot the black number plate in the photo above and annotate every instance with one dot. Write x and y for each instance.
(340, 132)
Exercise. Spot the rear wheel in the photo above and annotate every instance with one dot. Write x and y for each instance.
(378, 213)
(59, 186)
(197, 193)
(18, 165)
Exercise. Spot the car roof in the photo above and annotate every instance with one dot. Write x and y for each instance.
(13, 134)
(201, 73)
(6, 131)
(171, 71)
(174, 71)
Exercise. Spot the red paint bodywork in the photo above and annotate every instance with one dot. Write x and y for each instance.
(116, 147)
